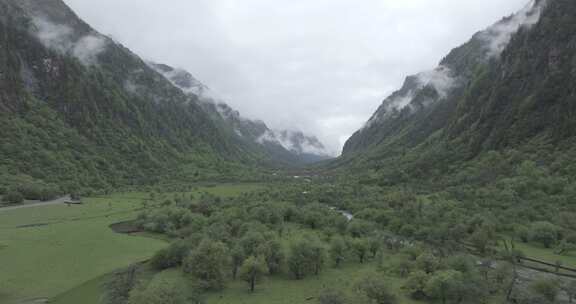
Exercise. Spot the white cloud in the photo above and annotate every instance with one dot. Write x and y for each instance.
(440, 78)
(499, 35)
(53, 36)
(60, 38)
(88, 48)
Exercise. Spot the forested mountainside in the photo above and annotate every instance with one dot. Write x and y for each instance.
(506, 96)
(78, 109)
(282, 146)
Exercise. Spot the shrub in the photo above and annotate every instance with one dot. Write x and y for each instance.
(13, 197)
(545, 233)
(375, 289)
(545, 288)
(207, 262)
(158, 293)
(169, 257)
(118, 286)
(332, 296)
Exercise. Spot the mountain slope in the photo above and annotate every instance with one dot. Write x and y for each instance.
(80, 110)
(506, 96)
(281, 146)
(428, 101)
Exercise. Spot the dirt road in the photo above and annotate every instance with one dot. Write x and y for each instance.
(31, 204)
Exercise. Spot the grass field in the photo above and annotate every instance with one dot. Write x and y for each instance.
(285, 290)
(547, 254)
(280, 289)
(49, 250)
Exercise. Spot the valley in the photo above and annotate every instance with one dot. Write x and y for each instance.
(127, 181)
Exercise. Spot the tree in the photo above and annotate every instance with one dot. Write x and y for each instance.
(374, 246)
(332, 296)
(360, 248)
(207, 263)
(443, 285)
(300, 261)
(570, 289)
(403, 267)
(544, 233)
(251, 241)
(416, 283)
(545, 288)
(253, 270)
(169, 257)
(482, 239)
(427, 262)
(360, 228)
(13, 197)
(119, 285)
(273, 255)
(375, 289)
(337, 250)
(317, 257)
(565, 247)
(237, 257)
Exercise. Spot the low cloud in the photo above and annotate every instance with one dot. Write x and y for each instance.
(295, 141)
(88, 48)
(60, 38)
(325, 74)
(441, 79)
(499, 35)
(53, 36)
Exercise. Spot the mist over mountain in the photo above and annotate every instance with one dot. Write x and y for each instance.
(433, 101)
(79, 109)
(283, 145)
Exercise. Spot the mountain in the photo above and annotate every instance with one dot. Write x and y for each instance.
(78, 110)
(508, 94)
(308, 148)
(283, 146)
(428, 101)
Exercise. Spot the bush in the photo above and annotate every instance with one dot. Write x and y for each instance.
(13, 197)
(158, 293)
(375, 289)
(545, 288)
(545, 233)
(118, 286)
(41, 192)
(522, 233)
(332, 296)
(169, 257)
(207, 262)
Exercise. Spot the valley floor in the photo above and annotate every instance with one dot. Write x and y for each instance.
(65, 254)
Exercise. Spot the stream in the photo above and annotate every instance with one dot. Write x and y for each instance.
(349, 216)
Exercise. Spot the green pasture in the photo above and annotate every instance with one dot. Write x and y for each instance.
(47, 251)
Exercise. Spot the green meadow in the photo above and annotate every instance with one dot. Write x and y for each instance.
(51, 250)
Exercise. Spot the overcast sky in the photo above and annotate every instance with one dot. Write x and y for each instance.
(319, 66)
